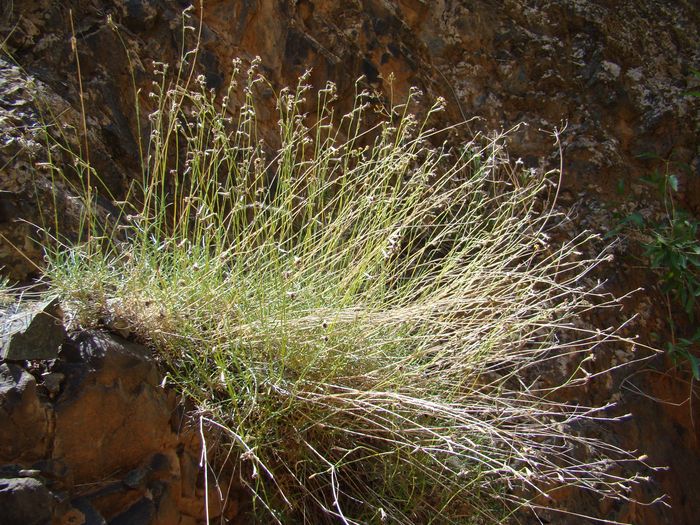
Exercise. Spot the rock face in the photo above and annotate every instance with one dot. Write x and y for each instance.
(35, 203)
(92, 437)
(33, 334)
(618, 73)
(615, 74)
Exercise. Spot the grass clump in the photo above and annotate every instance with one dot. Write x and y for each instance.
(361, 313)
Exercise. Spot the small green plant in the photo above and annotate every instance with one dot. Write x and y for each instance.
(362, 310)
(672, 247)
(694, 92)
(681, 350)
(675, 251)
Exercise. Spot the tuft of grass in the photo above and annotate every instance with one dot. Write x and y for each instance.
(363, 312)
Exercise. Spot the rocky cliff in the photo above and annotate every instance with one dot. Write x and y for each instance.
(612, 75)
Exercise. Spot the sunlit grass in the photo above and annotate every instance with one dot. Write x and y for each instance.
(358, 313)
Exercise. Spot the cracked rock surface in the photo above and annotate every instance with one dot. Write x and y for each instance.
(92, 436)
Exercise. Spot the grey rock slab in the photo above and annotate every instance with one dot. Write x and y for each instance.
(25, 501)
(34, 332)
(24, 418)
